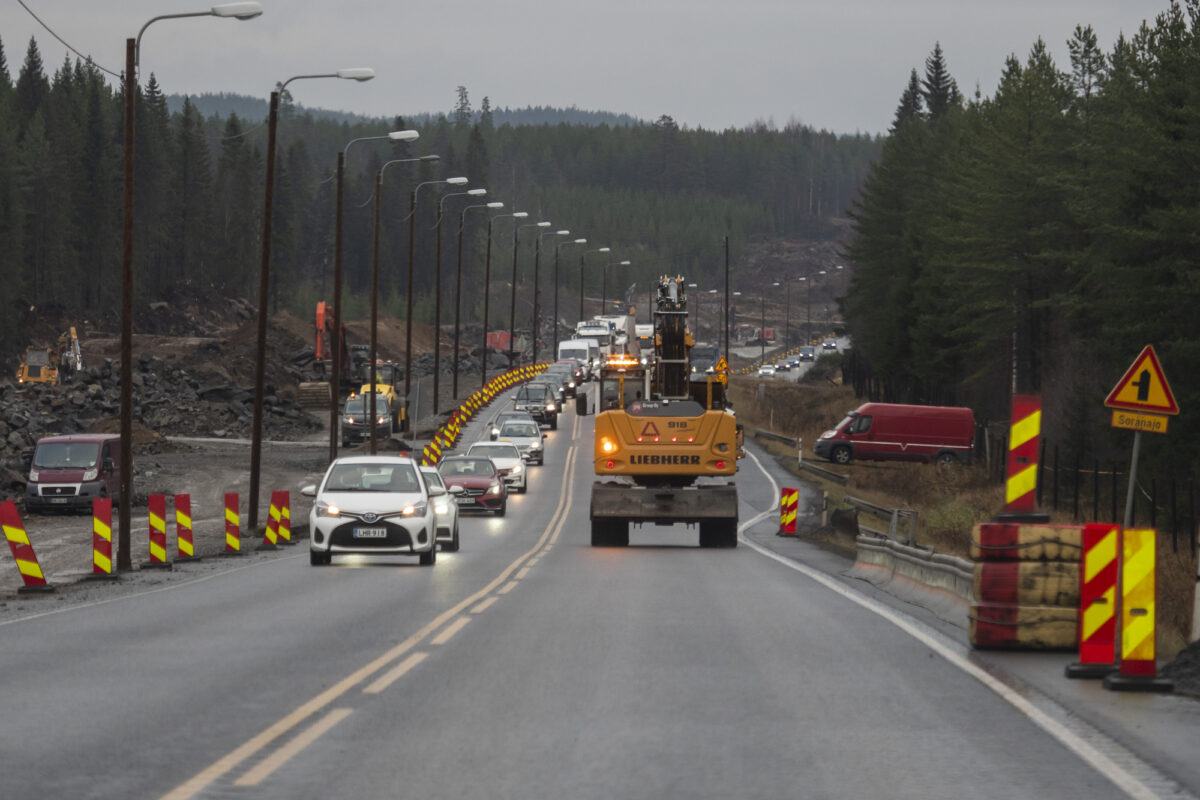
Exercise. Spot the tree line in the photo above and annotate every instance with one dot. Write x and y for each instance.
(660, 196)
(1035, 240)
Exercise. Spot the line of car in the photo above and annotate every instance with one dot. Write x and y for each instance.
(390, 505)
(805, 353)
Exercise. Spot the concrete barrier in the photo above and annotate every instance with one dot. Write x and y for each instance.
(939, 582)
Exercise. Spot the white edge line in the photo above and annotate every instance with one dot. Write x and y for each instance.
(1101, 763)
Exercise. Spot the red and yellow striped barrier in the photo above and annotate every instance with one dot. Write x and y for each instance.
(158, 532)
(184, 542)
(282, 499)
(1020, 488)
(233, 526)
(1097, 602)
(22, 551)
(789, 504)
(1139, 667)
(102, 538)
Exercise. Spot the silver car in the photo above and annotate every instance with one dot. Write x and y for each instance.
(507, 459)
(446, 509)
(527, 436)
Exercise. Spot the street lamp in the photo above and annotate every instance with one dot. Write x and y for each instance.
(581, 257)
(556, 249)
(487, 277)
(604, 291)
(133, 49)
(335, 372)
(462, 215)
(536, 259)
(405, 422)
(512, 307)
(437, 291)
(359, 74)
(762, 329)
(718, 327)
(696, 286)
(374, 351)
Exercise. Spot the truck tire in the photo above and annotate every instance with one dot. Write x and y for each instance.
(841, 455)
(946, 458)
(718, 533)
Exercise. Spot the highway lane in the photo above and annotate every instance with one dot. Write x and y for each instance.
(528, 665)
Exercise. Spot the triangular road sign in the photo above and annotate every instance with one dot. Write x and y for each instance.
(650, 429)
(1143, 387)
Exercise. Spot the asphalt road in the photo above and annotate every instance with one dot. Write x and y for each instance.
(527, 665)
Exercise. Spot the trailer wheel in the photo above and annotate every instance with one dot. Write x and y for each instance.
(718, 533)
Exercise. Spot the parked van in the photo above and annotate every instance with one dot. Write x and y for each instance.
(68, 472)
(888, 431)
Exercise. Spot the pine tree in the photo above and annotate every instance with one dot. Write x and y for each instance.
(31, 89)
(912, 103)
(938, 88)
(462, 109)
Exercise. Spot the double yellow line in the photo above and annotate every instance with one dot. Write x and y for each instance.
(501, 585)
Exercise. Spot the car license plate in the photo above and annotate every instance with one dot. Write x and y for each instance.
(465, 501)
(370, 533)
(62, 500)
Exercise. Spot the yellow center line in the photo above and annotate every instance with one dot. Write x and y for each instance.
(285, 753)
(508, 587)
(395, 673)
(522, 573)
(213, 772)
(448, 633)
(485, 605)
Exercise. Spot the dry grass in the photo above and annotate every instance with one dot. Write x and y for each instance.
(948, 500)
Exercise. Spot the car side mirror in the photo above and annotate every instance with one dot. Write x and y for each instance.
(309, 491)
(108, 465)
(455, 489)
(436, 491)
(494, 435)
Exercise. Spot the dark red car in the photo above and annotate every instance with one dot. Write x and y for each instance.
(483, 488)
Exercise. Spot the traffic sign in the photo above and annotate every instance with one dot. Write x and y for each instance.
(1133, 421)
(1143, 387)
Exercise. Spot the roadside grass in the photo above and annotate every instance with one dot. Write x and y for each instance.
(948, 500)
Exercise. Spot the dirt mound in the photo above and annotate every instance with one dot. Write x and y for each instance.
(1185, 670)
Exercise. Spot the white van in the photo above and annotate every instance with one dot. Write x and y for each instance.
(584, 351)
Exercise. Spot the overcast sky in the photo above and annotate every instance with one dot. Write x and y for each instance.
(836, 64)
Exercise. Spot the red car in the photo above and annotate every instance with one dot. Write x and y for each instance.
(483, 488)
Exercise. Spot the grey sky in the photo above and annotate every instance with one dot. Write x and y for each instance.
(834, 65)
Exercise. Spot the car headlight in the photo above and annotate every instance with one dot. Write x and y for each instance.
(381, 421)
(549, 406)
(328, 510)
(91, 474)
(494, 488)
(535, 446)
(33, 475)
(571, 385)
(414, 510)
(517, 469)
(441, 507)
(350, 420)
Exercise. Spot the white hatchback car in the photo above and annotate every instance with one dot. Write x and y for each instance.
(376, 505)
(528, 438)
(446, 509)
(507, 459)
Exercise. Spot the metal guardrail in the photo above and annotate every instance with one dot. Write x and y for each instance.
(827, 474)
(775, 437)
(902, 522)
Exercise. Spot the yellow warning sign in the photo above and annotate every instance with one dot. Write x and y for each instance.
(1143, 387)
(1129, 420)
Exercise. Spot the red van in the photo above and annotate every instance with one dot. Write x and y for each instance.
(889, 431)
(67, 472)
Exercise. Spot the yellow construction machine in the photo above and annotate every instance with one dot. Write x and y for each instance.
(50, 364)
(664, 451)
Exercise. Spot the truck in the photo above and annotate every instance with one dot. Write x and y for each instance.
(661, 456)
(598, 330)
(67, 472)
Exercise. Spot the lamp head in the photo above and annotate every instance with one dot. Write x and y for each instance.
(404, 136)
(562, 233)
(604, 250)
(625, 263)
(496, 204)
(476, 192)
(356, 74)
(458, 181)
(520, 214)
(238, 10)
(430, 158)
(581, 241)
(543, 224)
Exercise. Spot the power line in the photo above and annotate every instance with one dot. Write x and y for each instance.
(67, 44)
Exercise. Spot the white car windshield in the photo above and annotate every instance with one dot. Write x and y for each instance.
(494, 451)
(519, 429)
(375, 477)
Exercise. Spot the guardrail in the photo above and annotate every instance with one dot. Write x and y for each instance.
(898, 519)
(775, 437)
(827, 474)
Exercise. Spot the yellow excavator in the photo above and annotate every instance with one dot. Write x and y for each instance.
(51, 364)
(664, 450)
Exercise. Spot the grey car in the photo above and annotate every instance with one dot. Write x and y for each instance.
(528, 438)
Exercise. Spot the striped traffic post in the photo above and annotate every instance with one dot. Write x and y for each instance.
(283, 501)
(1097, 602)
(102, 540)
(789, 503)
(184, 541)
(158, 533)
(1139, 669)
(271, 534)
(22, 551)
(1020, 487)
(233, 527)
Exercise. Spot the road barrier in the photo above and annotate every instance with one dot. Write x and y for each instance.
(102, 540)
(158, 532)
(1021, 483)
(898, 519)
(233, 529)
(446, 435)
(22, 550)
(183, 529)
(1139, 668)
(1097, 602)
(789, 504)
(283, 501)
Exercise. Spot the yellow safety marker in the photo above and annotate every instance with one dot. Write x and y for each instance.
(1139, 668)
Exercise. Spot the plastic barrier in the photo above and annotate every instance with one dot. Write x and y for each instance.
(1139, 669)
(283, 501)
(1020, 488)
(102, 540)
(789, 503)
(183, 529)
(1097, 603)
(22, 550)
(158, 533)
(233, 530)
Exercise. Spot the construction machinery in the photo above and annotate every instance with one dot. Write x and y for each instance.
(663, 456)
(51, 364)
(353, 360)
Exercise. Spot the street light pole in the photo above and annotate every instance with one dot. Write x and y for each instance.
(604, 291)
(556, 282)
(512, 306)
(536, 288)
(437, 291)
(462, 218)
(405, 422)
(581, 257)
(487, 277)
(264, 278)
(335, 371)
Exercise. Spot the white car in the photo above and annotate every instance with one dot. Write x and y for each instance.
(446, 509)
(766, 371)
(528, 438)
(507, 459)
(376, 505)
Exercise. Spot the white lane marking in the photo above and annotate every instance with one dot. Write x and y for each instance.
(1106, 766)
(396, 673)
(448, 634)
(292, 748)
